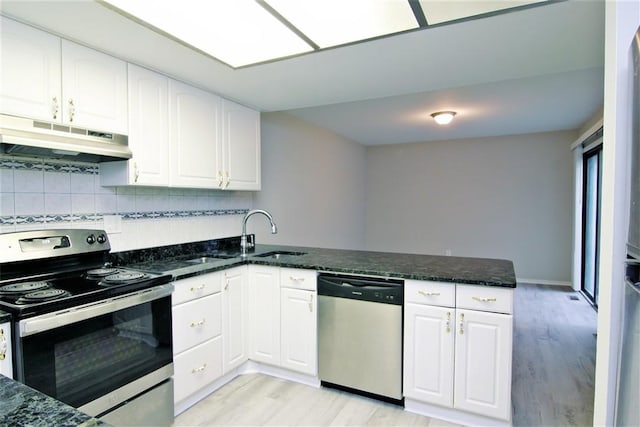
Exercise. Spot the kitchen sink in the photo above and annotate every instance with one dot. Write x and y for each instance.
(278, 254)
(207, 259)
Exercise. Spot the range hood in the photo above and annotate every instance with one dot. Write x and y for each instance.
(23, 136)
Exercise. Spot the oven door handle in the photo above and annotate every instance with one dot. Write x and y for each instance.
(60, 318)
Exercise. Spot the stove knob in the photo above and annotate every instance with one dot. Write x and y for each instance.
(102, 239)
(91, 239)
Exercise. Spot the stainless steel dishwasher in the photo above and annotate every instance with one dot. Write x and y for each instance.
(360, 334)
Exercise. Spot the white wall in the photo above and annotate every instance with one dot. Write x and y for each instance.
(312, 183)
(622, 20)
(504, 197)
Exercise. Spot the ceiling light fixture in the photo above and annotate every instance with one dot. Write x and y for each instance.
(443, 117)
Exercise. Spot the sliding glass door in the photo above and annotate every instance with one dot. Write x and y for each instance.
(592, 164)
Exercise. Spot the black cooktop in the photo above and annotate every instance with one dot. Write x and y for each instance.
(31, 297)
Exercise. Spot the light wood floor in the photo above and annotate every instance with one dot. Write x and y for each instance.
(553, 377)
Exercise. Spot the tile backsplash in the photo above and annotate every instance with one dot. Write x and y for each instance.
(46, 193)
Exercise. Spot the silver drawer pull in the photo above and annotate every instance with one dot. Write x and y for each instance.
(3, 345)
(484, 299)
(429, 294)
(199, 323)
(197, 288)
(296, 279)
(200, 369)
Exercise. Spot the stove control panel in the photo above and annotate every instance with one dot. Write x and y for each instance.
(28, 245)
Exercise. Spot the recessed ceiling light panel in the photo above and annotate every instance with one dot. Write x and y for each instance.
(238, 32)
(336, 22)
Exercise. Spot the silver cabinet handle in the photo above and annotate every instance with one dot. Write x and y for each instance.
(228, 181)
(199, 369)
(198, 323)
(429, 294)
(448, 324)
(484, 299)
(311, 304)
(461, 323)
(136, 172)
(72, 110)
(197, 288)
(55, 107)
(220, 179)
(296, 279)
(3, 345)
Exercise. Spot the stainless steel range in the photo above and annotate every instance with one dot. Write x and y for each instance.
(95, 337)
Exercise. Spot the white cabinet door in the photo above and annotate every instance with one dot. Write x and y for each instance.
(194, 129)
(429, 335)
(241, 147)
(483, 363)
(264, 314)
(234, 327)
(148, 133)
(6, 365)
(94, 89)
(299, 330)
(29, 72)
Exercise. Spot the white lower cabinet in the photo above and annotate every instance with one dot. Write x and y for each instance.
(428, 353)
(197, 334)
(458, 358)
(235, 341)
(299, 339)
(264, 314)
(197, 368)
(483, 363)
(283, 318)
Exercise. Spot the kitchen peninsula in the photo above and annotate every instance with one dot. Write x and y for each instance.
(258, 313)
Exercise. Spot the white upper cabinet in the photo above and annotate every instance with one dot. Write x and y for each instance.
(94, 89)
(240, 147)
(148, 133)
(194, 134)
(30, 72)
(46, 78)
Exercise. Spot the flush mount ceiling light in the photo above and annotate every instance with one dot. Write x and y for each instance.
(248, 32)
(443, 117)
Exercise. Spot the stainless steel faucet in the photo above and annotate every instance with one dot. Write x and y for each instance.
(244, 245)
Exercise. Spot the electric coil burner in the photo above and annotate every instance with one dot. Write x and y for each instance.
(96, 337)
(49, 270)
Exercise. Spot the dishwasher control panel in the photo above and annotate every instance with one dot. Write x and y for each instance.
(380, 290)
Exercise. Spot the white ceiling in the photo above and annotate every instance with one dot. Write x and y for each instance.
(532, 70)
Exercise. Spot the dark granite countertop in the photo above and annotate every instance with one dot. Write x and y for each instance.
(23, 406)
(175, 259)
(4, 316)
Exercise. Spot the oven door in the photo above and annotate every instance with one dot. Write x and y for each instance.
(100, 355)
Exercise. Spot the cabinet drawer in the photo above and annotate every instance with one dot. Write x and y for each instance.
(196, 368)
(196, 321)
(196, 287)
(298, 279)
(485, 298)
(430, 293)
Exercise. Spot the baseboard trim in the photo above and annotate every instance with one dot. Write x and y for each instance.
(543, 282)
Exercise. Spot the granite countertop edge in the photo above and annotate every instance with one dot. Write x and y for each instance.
(21, 405)
(461, 270)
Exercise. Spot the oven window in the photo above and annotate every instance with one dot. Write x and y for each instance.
(81, 362)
